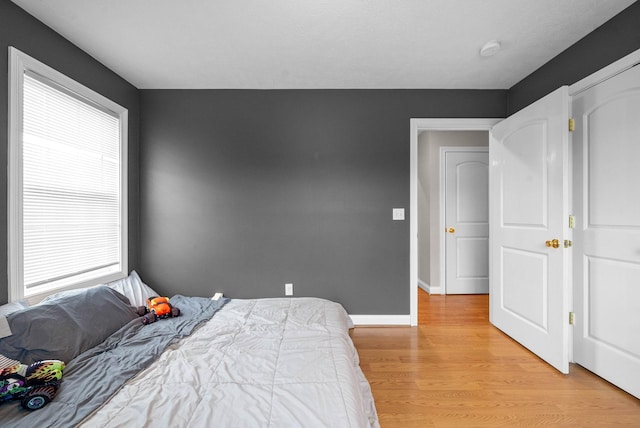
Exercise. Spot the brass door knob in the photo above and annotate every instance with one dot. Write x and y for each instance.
(553, 243)
(451, 230)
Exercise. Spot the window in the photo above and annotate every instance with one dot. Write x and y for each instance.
(67, 182)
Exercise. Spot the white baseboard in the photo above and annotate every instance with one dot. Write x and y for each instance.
(381, 319)
(435, 290)
(429, 289)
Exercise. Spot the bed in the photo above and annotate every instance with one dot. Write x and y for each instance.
(283, 362)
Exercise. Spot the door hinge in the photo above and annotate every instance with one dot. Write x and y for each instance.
(572, 318)
(568, 243)
(572, 124)
(572, 221)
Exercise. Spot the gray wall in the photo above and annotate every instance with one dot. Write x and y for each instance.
(611, 41)
(243, 191)
(22, 31)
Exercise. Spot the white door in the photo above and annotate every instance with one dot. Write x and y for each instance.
(606, 149)
(467, 222)
(528, 205)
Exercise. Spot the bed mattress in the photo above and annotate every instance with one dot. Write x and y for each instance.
(255, 363)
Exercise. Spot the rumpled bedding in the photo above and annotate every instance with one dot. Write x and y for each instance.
(256, 363)
(96, 374)
(252, 363)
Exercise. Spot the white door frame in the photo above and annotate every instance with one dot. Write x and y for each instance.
(442, 221)
(417, 126)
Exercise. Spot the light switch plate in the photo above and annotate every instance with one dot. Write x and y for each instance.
(398, 213)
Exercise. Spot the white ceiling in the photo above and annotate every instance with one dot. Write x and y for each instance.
(335, 44)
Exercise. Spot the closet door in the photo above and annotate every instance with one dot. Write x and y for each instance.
(606, 150)
(528, 176)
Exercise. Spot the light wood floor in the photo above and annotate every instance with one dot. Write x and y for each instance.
(457, 370)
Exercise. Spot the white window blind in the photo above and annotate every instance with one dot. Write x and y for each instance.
(67, 182)
(71, 185)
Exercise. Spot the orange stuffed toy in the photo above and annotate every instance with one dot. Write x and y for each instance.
(157, 307)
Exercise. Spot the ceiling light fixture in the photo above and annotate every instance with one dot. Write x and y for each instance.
(490, 48)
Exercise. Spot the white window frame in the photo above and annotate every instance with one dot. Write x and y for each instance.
(20, 62)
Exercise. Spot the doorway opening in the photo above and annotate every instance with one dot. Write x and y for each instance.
(427, 128)
(453, 212)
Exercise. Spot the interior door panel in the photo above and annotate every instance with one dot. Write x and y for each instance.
(528, 202)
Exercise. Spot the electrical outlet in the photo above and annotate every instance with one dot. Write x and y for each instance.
(216, 296)
(288, 289)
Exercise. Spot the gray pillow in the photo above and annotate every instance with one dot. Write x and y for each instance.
(62, 327)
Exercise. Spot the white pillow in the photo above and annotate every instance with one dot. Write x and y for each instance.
(5, 330)
(9, 308)
(134, 289)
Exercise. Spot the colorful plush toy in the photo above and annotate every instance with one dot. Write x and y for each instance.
(35, 384)
(157, 307)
